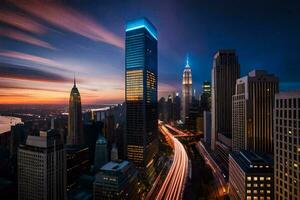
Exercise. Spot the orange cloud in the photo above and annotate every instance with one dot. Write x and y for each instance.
(70, 20)
(16, 35)
(21, 22)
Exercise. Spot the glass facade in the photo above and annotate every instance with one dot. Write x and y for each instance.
(141, 92)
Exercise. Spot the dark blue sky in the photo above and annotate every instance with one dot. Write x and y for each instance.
(264, 33)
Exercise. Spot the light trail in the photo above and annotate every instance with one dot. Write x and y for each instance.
(173, 186)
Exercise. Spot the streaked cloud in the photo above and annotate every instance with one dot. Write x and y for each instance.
(20, 21)
(29, 57)
(28, 73)
(70, 20)
(19, 36)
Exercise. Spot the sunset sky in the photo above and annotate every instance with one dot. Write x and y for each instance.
(42, 45)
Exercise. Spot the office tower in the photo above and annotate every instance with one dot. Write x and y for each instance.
(226, 70)
(161, 109)
(116, 180)
(141, 92)
(206, 87)
(207, 126)
(42, 167)
(205, 98)
(101, 155)
(176, 106)
(77, 164)
(114, 153)
(18, 136)
(75, 132)
(287, 145)
(250, 176)
(252, 112)
(186, 90)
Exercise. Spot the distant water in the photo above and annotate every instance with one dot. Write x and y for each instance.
(7, 121)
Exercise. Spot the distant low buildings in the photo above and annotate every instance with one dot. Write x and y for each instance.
(42, 168)
(251, 176)
(116, 180)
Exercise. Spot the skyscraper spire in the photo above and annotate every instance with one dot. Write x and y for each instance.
(74, 80)
(187, 60)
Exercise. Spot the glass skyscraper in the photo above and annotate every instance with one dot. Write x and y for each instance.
(141, 92)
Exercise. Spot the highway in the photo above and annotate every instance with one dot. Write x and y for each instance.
(174, 183)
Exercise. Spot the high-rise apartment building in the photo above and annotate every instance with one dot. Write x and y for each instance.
(287, 146)
(75, 128)
(250, 176)
(252, 112)
(141, 92)
(42, 168)
(226, 70)
(187, 90)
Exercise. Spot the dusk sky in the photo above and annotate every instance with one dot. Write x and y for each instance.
(43, 44)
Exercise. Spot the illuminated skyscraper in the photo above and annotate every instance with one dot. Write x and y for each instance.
(141, 92)
(252, 112)
(187, 90)
(226, 70)
(287, 145)
(75, 129)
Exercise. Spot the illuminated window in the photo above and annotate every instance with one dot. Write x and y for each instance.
(268, 178)
(261, 178)
(268, 191)
(255, 178)
(248, 184)
(248, 191)
(249, 178)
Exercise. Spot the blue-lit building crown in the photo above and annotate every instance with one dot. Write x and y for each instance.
(142, 23)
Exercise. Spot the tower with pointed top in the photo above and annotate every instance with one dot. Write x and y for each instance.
(75, 129)
(187, 90)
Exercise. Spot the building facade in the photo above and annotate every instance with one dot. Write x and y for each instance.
(116, 180)
(250, 176)
(287, 146)
(101, 154)
(42, 168)
(252, 112)
(187, 90)
(226, 70)
(141, 92)
(75, 128)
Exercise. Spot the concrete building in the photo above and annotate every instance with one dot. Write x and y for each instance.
(250, 176)
(226, 70)
(287, 146)
(42, 168)
(252, 112)
(116, 180)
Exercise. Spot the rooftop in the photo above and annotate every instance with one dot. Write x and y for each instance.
(142, 23)
(250, 161)
(115, 165)
(7, 121)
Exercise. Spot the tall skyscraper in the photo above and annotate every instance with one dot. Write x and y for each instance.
(141, 92)
(187, 90)
(252, 112)
(287, 146)
(101, 154)
(226, 70)
(42, 168)
(75, 128)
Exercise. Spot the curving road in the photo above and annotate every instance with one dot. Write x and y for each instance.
(173, 186)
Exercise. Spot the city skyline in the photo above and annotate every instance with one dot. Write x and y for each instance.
(40, 55)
